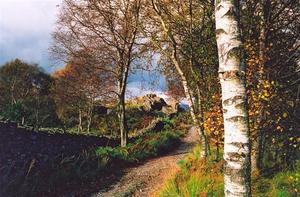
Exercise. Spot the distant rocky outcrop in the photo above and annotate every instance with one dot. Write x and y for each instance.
(173, 107)
(152, 102)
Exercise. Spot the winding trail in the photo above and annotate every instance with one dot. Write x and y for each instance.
(146, 180)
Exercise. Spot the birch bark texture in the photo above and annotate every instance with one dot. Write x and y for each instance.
(237, 173)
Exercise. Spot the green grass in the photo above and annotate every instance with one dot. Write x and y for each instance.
(198, 177)
(146, 146)
(282, 184)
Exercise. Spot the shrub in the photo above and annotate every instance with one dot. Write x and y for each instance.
(147, 146)
(13, 112)
(108, 153)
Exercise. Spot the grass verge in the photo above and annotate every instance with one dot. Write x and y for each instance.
(199, 177)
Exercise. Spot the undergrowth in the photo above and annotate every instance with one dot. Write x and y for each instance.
(200, 177)
(282, 184)
(151, 144)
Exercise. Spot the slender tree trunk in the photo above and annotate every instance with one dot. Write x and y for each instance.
(237, 175)
(23, 120)
(257, 146)
(196, 122)
(89, 122)
(89, 116)
(122, 112)
(79, 121)
(122, 119)
(12, 89)
(176, 62)
(37, 119)
(37, 122)
(205, 140)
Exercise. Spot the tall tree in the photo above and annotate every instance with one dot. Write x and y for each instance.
(237, 178)
(180, 33)
(78, 86)
(109, 30)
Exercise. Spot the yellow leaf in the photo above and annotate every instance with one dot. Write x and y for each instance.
(278, 127)
(285, 115)
(290, 103)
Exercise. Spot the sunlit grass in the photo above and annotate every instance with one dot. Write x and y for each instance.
(197, 177)
(283, 184)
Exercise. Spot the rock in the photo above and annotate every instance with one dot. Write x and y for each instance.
(151, 102)
(148, 103)
(172, 108)
(159, 126)
(156, 125)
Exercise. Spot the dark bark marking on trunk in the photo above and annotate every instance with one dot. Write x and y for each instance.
(236, 175)
(237, 119)
(232, 74)
(232, 100)
(241, 105)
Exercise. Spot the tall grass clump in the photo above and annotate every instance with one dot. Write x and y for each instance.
(196, 177)
(200, 177)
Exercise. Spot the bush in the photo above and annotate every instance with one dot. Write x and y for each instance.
(13, 112)
(108, 153)
(147, 146)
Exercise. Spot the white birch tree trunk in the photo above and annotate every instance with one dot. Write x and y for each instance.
(237, 173)
(196, 122)
(176, 62)
(79, 121)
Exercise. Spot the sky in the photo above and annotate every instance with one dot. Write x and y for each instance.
(25, 33)
(25, 30)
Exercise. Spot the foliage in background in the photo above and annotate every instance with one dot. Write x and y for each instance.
(25, 95)
(282, 184)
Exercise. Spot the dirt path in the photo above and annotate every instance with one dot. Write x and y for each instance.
(146, 179)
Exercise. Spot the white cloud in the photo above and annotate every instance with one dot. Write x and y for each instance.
(28, 16)
(25, 29)
(25, 33)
